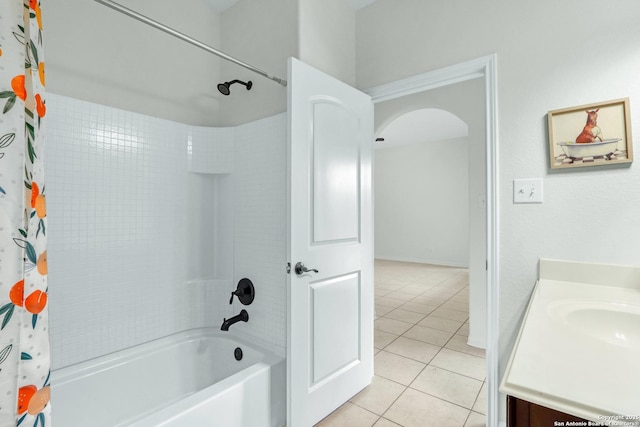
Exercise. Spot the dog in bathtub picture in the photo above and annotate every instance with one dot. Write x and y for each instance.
(604, 139)
(591, 131)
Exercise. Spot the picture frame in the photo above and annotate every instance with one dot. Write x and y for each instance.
(596, 134)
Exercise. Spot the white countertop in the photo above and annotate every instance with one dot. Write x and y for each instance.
(578, 350)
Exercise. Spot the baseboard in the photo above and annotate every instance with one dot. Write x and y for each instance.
(423, 261)
(475, 342)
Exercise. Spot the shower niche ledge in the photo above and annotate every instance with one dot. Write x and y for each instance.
(577, 349)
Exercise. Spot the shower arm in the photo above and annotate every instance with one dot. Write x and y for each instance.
(135, 15)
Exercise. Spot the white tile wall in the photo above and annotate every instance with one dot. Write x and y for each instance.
(259, 196)
(139, 247)
(210, 150)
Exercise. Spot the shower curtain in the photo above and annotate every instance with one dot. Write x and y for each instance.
(24, 334)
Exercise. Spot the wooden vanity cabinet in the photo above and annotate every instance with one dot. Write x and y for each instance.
(521, 413)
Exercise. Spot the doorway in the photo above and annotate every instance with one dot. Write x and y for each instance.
(447, 226)
(425, 219)
(484, 68)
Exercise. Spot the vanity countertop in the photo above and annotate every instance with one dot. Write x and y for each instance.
(578, 349)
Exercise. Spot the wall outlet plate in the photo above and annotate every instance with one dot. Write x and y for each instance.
(527, 190)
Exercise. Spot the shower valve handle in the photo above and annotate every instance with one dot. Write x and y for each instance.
(238, 292)
(245, 292)
(300, 269)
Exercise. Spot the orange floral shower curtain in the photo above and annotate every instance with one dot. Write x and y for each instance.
(24, 334)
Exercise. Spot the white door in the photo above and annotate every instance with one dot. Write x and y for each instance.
(330, 312)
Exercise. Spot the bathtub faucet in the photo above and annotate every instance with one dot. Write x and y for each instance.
(242, 317)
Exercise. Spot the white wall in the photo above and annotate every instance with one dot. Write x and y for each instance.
(146, 217)
(550, 55)
(422, 202)
(99, 55)
(327, 37)
(263, 33)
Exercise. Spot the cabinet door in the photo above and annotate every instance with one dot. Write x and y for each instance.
(521, 413)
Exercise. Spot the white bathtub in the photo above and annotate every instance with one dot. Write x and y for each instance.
(589, 149)
(188, 379)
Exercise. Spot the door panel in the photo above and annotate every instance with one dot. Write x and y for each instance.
(335, 173)
(329, 311)
(330, 330)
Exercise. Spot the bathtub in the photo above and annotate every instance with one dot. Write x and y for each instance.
(590, 149)
(188, 379)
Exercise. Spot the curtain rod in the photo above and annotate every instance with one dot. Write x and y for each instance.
(135, 15)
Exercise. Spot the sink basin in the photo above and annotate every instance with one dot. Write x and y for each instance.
(578, 347)
(611, 322)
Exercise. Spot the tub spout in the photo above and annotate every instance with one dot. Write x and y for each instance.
(242, 317)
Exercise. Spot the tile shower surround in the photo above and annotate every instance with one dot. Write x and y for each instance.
(145, 216)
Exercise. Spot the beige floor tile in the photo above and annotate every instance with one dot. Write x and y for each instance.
(392, 277)
(462, 363)
(441, 292)
(381, 309)
(440, 323)
(387, 286)
(481, 402)
(429, 280)
(383, 422)
(451, 314)
(390, 302)
(349, 415)
(396, 368)
(447, 385)
(429, 335)
(416, 409)
(459, 343)
(413, 349)
(382, 292)
(395, 281)
(415, 287)
(464, 330)
(435, 299)
(405, 315)
(456, 283)
(379, 395)
(461, 296)
(430, 300)
(454, 305)
(381, 339)
(401, 295)
(418, 307)
(464, 291)
(475, 420)
(392, 326)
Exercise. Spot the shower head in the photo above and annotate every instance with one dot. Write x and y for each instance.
(224, 87)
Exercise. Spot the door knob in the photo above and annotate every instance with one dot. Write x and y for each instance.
(300, 269)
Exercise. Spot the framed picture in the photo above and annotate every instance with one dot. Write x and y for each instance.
(590, 135)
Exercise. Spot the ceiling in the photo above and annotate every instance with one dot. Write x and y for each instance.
(424, 125)
(222, 5)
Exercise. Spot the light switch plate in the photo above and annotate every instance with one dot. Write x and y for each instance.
(527, 190)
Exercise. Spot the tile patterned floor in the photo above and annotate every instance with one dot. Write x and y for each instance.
(425, 373)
